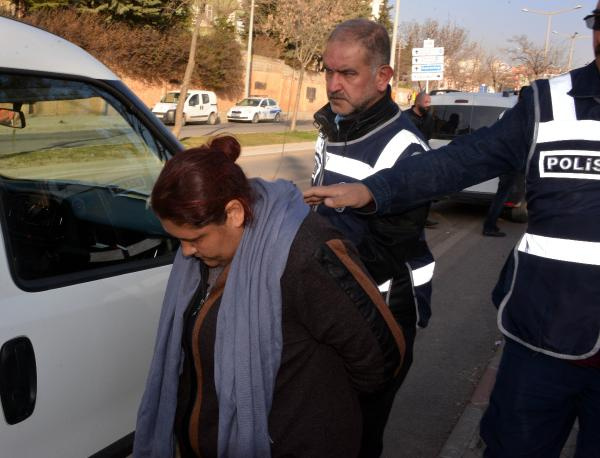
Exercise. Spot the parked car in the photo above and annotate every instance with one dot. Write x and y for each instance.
(199, 106)
(255, 109)
(459, 113)
(83, 260)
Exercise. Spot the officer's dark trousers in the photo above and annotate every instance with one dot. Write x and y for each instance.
(534, 404)
(376, 407)
(505, 183)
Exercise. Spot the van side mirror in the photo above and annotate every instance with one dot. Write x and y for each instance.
(12, 118)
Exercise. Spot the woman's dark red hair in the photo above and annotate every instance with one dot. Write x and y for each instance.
(195, 185)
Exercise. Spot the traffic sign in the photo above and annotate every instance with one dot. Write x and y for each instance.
(427, 76)
(428, 60)
(428, 68)
(428, 51)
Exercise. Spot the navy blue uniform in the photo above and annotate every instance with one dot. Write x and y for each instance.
(549, 292)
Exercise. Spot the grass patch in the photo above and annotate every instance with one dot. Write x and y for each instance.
(260, 138)
(69, 155)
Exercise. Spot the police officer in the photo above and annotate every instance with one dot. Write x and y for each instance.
(549, 291)
(361, 131)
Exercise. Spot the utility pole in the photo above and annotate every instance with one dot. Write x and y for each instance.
(394, 41)
(249, 52)
(572, 37)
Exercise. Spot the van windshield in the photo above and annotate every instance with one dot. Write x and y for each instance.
(171, 97)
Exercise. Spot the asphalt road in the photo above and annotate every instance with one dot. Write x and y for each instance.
(453, 351)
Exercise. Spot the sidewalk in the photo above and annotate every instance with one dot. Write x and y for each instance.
(277, 148)
(464, 440)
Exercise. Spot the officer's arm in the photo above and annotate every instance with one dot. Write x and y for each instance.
(468, 160)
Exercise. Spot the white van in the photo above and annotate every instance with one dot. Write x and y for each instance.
(199, 106)
(458, 113)
(83, 260)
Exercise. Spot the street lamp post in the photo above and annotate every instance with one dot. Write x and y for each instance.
(549, 15)
(572, 37)
(394, 40)
(249, 51)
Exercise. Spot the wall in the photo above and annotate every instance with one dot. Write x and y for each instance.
(270, 77)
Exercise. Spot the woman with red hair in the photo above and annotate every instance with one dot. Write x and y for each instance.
(270, 325)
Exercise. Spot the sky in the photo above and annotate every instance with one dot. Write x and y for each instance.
(492, 22)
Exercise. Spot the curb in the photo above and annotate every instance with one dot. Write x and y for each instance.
(464, 441)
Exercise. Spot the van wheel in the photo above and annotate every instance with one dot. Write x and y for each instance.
(255, 118)
(277, 117)
(212, 119)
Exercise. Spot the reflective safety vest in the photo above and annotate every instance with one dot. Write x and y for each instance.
(552, 304)
(357, 159)
(421, 270)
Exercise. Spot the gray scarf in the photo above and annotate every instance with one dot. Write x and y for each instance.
(248, 342)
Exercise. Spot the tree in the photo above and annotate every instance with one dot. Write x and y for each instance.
(150, 54)
(156, 13)
(302, 27)
(532, 58)
(498, 73)
(384, 17)
(458, 49)
(219, 60)
(189, 69)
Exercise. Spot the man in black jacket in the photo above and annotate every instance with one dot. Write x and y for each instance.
(420, 114)
(361, 131)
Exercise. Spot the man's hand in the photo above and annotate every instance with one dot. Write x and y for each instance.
(355, 195)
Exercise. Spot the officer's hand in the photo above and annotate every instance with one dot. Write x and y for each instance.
(355, 195)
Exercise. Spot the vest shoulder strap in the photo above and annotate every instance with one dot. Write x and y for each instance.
(563, 105)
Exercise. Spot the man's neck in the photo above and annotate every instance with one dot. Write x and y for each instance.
(418, 111)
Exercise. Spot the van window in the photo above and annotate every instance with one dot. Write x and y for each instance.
(451, 121)
(74, 185)
(205, 99)
(485, 116)
(194, 100)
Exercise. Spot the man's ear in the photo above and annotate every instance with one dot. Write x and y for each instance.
(383, 77)
(235, 213)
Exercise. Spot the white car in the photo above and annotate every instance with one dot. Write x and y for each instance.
(459, 113)
(199, 105)
(255, 109)
(83, 260)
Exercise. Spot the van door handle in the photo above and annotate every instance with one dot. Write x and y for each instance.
(18, 379)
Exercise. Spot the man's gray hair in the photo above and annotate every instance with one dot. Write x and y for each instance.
(371, 35)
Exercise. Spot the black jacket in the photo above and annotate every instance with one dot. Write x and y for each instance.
(385, 243)
(423, 123)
